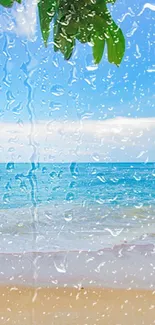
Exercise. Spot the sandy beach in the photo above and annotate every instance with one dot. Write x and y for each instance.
(47, 306)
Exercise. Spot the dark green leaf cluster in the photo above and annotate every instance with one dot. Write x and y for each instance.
(82, 20)
(8, 3)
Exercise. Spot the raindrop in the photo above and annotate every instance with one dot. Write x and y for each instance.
(141, 154)
(55, 106)
(133, 30)
(99, 200)
(115, 232)
(72, 184)
(44, 170)
(90, 66)
(10, 166)
(138, 54)
(53, 174)
(101, 177)
(68, 215)
(73, 95)
(56, 188)
(55, 61)
(147, 5)
(61, 268)
(73, 78)
(98, 269)
(8, 186)
(69, 196)
(96, 157)
(60, 174)
(48, 215)
(130, 13)
(139, 206)
(6, 198)
(17, 109)
(23, 186)
(57, 90)
(11, 149)
(137, 178)
(74, 169)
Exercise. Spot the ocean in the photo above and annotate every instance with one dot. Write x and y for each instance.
(76, 219)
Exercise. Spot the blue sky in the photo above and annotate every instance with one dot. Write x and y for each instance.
(37, 83)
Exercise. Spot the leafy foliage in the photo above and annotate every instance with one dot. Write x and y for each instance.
(47, 11)
(8, 3)
(82, 20)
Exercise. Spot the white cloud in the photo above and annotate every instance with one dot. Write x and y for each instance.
(26, 18)
(119, 139)
(21, 19)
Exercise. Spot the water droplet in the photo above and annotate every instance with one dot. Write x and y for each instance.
(114, 232)
(147, 5)
(133, 29)
(48, 215)
(11, 149)
(99, 200)
(72, 184)
(94, 171)
(74, 169)
(137, 178)
(55, 106)
(10, 166)
(98, 269)
(90, 66)
(68, 215)
(138, 54)
(61, 267)
(60, 174)
(8, 186)
(6, 198)
(23, 186)
(69, 196)
(101, 177)
(17, 109)
(44, 170)
(141, 154)
(96, 157)
(53, 174)
(57, 90)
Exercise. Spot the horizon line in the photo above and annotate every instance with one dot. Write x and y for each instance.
(78, 162)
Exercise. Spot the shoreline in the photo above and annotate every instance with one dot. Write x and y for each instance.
(68, 306)
(123, 267)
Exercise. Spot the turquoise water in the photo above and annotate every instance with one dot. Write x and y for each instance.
(108, 184)
(77, 206)
(77, 224)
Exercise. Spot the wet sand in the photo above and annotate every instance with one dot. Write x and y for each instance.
(84, 306)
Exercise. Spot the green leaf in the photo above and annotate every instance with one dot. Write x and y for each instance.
(8, 3)
(67, 46)
(98, 49)
(56, 36)
(62, 41)
(85, 20)
(100, 24)
(110, 1)
(47, 9)
(102, 11)
(115, 43)
(72, 28)
(84, 31)
(83, 35)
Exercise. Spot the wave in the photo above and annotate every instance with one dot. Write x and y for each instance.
(123, 266)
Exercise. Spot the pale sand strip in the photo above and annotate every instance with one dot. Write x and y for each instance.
(47, 306)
